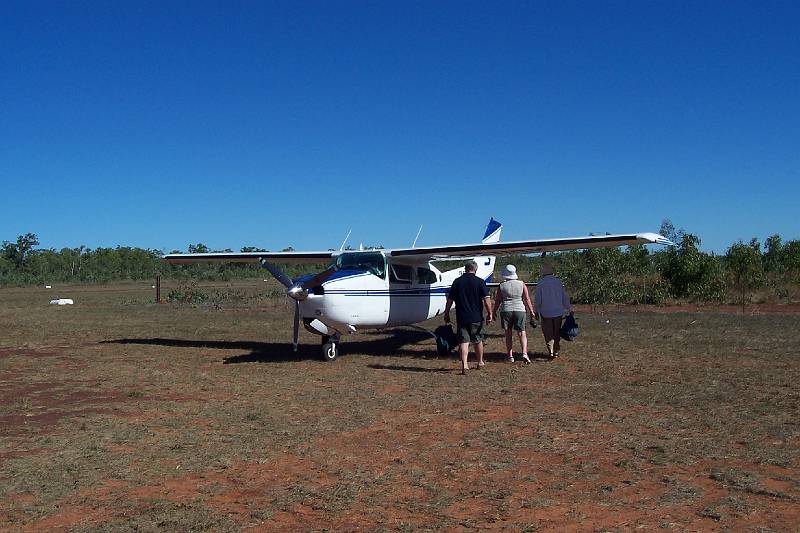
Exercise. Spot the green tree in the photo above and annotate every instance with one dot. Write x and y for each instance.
(692, 273)
(198, 248)
(17, 252)
(668, 230)
(792, 259)
(774, 256)
(745, 264)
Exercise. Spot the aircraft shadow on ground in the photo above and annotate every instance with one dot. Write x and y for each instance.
(393, 343)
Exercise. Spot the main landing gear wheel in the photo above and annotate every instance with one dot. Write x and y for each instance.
(330, 348)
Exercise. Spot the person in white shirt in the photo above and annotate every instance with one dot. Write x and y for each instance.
(552, 302)
(512, 299)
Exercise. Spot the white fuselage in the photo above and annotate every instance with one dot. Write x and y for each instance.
(406, 294)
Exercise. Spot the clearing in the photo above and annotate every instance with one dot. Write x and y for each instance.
(116, 414)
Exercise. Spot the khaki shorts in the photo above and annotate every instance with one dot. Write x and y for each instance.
(515, 319)
(470, 332)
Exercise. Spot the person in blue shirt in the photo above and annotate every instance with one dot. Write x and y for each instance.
(471, 296)
(552, 302)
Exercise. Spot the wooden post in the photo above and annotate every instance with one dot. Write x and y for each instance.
(158, 289)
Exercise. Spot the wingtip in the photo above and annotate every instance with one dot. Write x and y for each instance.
(655, 238)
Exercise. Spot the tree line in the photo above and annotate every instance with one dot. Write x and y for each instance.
(768, 271)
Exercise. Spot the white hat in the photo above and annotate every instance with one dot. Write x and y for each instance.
(510, 272)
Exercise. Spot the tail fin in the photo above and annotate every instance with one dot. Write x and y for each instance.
(486, 263)
(492, 231)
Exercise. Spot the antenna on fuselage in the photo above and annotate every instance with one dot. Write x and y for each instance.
(345, 239)
(413, 244)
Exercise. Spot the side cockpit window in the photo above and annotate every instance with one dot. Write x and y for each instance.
(400, 273)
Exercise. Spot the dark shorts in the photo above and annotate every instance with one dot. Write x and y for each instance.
(470, 332)
(513, 319)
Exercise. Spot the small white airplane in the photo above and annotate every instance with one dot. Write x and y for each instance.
(373, 289)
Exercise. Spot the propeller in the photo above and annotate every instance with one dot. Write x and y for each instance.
(277, 273)
(297, 291)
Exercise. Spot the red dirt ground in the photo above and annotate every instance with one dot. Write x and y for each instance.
(412, 468)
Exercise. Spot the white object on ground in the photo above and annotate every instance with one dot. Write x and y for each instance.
(48, 286)
(62, 301)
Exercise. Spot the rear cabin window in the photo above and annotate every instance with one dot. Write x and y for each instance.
(426, 276)
(400, 273)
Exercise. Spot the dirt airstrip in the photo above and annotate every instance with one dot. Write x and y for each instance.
(116, 414)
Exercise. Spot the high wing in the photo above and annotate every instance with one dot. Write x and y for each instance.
(526, 247)
(252, 257)
(433, 252)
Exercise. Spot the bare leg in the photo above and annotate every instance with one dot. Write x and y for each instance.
(479, 353)
(463, 350)
(523, 340)
(509, 342)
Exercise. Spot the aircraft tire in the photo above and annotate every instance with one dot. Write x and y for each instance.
(329, 351)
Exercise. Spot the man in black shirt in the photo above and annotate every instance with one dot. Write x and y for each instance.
(471, 296)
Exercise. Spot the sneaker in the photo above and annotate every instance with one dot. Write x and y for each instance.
(510, 358)
(526, 359)
(555, 355)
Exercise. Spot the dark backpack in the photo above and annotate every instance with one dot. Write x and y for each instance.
(446, 340)
(570, 329)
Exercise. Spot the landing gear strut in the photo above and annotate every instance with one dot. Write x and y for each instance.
(330, 347)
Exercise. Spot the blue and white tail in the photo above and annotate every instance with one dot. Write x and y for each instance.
(486, 262)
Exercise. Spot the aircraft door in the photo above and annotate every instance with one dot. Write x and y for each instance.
(402, 301)
(409, 301)
(426, 281)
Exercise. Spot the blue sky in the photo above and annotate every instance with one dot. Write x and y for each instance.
(159, 124)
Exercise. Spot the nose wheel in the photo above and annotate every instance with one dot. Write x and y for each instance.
(330, 347)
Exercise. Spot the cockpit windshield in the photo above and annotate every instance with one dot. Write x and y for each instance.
(372, 262)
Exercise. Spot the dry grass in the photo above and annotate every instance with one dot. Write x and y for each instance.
(116, 414)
